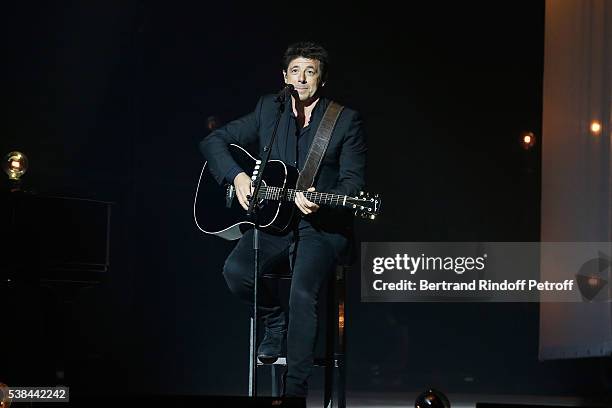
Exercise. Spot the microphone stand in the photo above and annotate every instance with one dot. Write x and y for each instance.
(252, 212)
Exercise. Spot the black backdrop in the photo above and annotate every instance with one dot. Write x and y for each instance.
(109, 101)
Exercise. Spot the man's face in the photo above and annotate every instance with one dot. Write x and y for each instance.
(305, 76)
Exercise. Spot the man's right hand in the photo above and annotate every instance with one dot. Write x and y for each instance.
(242, 184)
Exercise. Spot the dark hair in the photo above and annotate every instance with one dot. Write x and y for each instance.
(307, 49)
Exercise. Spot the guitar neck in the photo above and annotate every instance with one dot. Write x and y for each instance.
(279, 194)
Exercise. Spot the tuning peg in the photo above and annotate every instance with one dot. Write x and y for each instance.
(372, 217)
(257, 161)
(361, 193)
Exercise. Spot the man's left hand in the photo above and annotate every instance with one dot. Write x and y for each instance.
(305, 206)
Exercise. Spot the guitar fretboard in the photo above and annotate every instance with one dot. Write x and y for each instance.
(279, 194)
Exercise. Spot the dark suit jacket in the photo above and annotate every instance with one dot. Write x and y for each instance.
(342, 169)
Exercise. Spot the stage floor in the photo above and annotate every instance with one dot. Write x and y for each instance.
(406, 400)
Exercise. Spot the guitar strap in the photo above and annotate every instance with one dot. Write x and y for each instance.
(319, 145)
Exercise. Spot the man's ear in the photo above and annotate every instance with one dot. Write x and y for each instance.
(285, 76)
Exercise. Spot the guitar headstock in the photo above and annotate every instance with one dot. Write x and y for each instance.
(365, 205)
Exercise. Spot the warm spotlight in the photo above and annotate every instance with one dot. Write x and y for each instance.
(5, 401)
(595, 128)
(527, 140)
(432, 399)
(15, 164)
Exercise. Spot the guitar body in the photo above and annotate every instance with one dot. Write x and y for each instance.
(217, 211)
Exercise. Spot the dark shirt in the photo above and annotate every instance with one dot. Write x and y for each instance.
(304, 137)
(303, 144)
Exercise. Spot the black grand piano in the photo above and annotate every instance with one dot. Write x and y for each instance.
(54, 238)
(52, 249)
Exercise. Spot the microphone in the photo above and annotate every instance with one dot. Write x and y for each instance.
(280, 97)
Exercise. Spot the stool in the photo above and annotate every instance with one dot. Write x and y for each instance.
(335, 342)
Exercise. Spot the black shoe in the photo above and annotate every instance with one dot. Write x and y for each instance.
(271, 346)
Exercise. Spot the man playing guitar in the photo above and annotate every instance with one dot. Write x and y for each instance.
(321, 237)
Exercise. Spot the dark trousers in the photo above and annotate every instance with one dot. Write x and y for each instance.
(312, 258)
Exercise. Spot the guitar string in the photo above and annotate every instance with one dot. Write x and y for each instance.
(271, 192)
(292, 192)
(274, 193)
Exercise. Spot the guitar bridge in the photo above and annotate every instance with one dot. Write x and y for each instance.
(230, 193)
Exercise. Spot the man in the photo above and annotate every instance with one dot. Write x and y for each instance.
(321, 238)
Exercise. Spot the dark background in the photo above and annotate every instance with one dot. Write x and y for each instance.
(109, 100)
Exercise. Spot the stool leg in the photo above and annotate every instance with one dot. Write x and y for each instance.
(273, 380)
(340, 377)
(331, 328)
(329, 375)
(341, 335)
(277, 377)
(341, 381)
